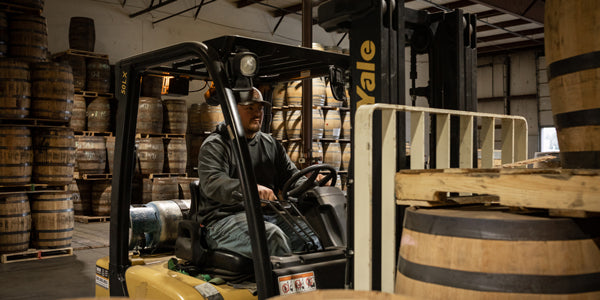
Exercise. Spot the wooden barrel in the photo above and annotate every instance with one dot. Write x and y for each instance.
(479, 252)
(16, 155)
(110, 152)
(175, 116)
(175, 155)
(52, 220)
(146, 190)
(293, 151)
(76, 197)
(151, 86)
(15, 89)
(82, 34)
(278, 125)
(331, 101)
(204, 118)
(15, 222)
(52, 91)
(165, 189)
(28, 38)
(317, 152)
(572, 50)
(85, 197)
(98, 75)
(294, 92)
(294, 124)
(333, 125)
(98, 114)
(150, 154)
(78, 115)
(78, 67)
(90, 154)
(101, 196)
(150, 116)
(278, 98)
(3, 34)
(333, 155)
(184, 187)
(346, 156)
(32, 4)
(193, 143)
(53, 155)
(346, 127)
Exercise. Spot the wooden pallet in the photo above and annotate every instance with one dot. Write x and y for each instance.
(35, 254)
(164, 175)
(161, 135)
(557, 189)
(31, 188)
(93, 133)
(88, 219)
(80, 53)
(93, 94)
(77, 175)
(34, 122)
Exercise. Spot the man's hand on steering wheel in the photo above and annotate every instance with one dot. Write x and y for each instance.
(315, 179)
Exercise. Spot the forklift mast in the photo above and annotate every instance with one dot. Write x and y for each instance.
(379, 31)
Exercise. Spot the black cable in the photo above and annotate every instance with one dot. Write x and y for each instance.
(200, 89)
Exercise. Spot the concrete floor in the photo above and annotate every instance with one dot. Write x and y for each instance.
(59, 277)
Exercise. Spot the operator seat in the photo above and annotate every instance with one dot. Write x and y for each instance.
(191, 245)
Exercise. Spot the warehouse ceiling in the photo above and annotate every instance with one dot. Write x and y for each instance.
(503, 25)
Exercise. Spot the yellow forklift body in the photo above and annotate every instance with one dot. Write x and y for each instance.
(150, 278)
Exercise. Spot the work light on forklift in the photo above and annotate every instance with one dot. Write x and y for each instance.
(246, 63)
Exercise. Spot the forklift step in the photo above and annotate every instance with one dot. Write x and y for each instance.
(35, 254)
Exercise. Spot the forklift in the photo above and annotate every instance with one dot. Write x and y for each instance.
(378, 32)
(173, 261)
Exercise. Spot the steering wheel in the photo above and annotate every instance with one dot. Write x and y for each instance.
(310, 183)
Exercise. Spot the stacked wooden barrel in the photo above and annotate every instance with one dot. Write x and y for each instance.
(37, 148)
(330, 122)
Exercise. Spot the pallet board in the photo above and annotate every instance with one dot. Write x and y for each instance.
(35, 254)
(93, 133)
(93, 94)
(88, 219)
(83, 53)
(538, 188)
(162, 135)
(31, 188)
(77, 175)
(36, 122)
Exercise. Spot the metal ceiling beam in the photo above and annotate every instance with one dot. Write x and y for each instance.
(244, 3)
(183, 11)
(504, 24)
(539, 43)
(151, 7)
(530, 10)
(509, 35)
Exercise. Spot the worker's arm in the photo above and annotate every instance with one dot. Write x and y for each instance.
(216, 168)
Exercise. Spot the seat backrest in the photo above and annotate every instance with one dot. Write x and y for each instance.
(195, 193)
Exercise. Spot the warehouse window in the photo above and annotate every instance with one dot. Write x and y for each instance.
(549, 139)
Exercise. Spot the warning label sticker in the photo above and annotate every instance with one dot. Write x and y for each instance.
(297, 283)
(102, 277)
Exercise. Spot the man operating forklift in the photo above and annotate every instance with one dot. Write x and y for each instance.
(222, 213)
